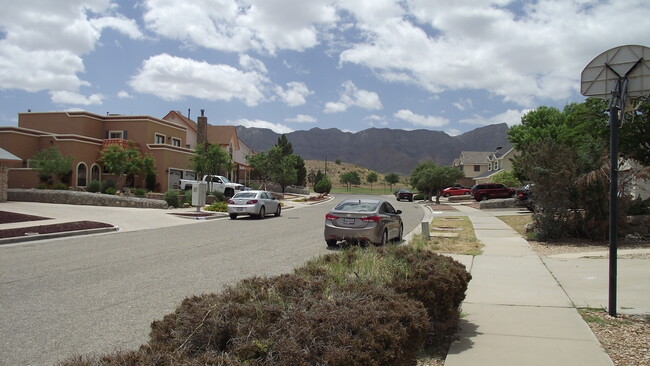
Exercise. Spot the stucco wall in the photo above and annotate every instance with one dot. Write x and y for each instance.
(81, 198)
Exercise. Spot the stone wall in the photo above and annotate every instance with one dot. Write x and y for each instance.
(82, 198)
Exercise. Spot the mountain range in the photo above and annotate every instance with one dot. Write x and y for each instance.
(381, 149)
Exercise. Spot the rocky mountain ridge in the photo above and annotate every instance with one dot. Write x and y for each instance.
(381, 149)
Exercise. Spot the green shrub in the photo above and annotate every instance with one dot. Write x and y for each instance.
(150, 182)
(60, 186)
(94, 186)
(110, 190)
(219, 196)
(639, 206)
(139, 192)
(172, 198)
(323, 186)
(108, 183)
(419, 197)
(187, 197)
(217, 206)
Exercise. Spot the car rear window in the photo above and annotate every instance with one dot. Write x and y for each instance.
(357, 206)
(245, 195)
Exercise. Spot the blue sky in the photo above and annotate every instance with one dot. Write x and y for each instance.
(293, 65)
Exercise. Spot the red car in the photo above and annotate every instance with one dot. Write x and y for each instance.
(456, 191)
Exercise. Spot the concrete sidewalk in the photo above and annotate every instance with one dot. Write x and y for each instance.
(515, 312)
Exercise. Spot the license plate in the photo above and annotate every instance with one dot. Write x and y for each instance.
(240, 209)
(347, 221)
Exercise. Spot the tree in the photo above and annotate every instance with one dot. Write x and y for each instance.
(120, 161)
(51, 165)
(301, 171)
(507, 178)
(284, 145)
(350, 178)
(281, 168)
(634, 141)
(391, 179)
(372, 178)
(430, 179)
(210, 159)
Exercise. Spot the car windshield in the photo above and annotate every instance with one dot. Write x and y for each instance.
(357, 206)
(245, 195)
(225, 180)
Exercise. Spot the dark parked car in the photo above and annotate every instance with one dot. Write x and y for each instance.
(404, 194)
(524, 197)
(363, 220)
(486, 191)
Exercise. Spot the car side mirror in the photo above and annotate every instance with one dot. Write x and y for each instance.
(399, 212)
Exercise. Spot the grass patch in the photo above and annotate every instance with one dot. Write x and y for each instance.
(466, 242)
(518, 222)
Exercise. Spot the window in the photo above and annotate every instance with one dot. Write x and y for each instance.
(477, 168)
(176, 142)
(490, 166)
(159, 139)
(95, 173)
(115, 134)
(496, 165)
(82, 170)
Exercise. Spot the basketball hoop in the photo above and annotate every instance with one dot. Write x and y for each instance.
(617, 74)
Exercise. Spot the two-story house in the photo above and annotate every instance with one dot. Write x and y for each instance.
(84, 135)
(479, 166)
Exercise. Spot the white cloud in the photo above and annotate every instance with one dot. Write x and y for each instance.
(295, 94)
(523, 52)
(275, 127)
(420, 120)
(44, 42)
(124, 95)
(239, 26)
(511, 117)
(464, 103)
(353, 96)
(375, 120)
(173, 78)
(68, 97)
(302, 118)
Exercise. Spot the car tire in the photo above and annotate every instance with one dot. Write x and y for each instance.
(411, 200)
(384, 239)
(278, 211)
(262, 213)
(468, 193)
(331, 243)
(233, 216)
(447, 195)
(484, 197)
(400, 233)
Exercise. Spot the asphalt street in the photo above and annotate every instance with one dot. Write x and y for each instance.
(99, 293)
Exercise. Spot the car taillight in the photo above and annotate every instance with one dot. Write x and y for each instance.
(331, 217)
(520, 195)
(371, 219)
(251, 202)
(231, 202)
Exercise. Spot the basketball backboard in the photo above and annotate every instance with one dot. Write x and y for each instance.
(600, 76)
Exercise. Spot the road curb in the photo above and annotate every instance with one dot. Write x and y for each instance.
(21, 239)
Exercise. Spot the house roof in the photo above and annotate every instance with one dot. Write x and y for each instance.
(223, 135)
(474, 157)
(177, 115)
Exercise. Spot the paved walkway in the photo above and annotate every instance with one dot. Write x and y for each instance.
(515, 312)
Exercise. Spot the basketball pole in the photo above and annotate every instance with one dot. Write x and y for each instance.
(613, 198)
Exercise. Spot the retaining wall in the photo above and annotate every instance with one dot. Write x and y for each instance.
(82, 198)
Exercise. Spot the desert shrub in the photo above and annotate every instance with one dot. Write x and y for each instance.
(110, 190)
(139, 192)
(108, 183)
(150, 181)
(335, 310)
(638, 206)
(419, 197)
(219, 196)
(172, 198)
(323, 186)
(218, 206)
(94, 186)
(187, 198)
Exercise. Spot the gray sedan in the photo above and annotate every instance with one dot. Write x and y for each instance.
(253, 203)
(363, 220)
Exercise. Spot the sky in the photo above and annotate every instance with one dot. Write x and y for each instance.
(288, 65)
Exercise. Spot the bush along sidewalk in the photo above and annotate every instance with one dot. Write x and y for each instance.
(363, 306)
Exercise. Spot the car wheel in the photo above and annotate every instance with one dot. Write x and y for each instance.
(484, 197)
(400, 233)
(384, 239)
(447, 195)
(233, 216)
(331, 243)
(278, 211)
(468, 193)
(411, 199)
(262, 213)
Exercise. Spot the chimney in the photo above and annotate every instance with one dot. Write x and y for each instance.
(202, 136)
(188, 114)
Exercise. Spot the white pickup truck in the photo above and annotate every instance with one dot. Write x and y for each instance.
(216, 183)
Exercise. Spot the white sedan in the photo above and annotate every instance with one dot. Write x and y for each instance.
(253, 203)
